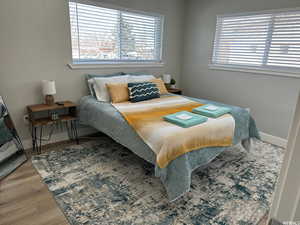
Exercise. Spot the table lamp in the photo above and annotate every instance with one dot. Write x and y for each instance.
(48, 91)
(167, 78)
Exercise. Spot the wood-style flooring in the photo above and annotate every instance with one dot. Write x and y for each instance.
(25, 200)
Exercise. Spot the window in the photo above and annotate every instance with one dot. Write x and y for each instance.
(267, 41)
(104, 35)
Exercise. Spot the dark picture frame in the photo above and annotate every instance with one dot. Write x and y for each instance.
(12, 152)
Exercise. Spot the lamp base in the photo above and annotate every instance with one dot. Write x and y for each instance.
(49, 100)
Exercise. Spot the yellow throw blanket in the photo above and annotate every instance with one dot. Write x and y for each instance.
(170, 141)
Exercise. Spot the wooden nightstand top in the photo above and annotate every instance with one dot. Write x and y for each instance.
(44, 107)
(49, 121)
(174, 90)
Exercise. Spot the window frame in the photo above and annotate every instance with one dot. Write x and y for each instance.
(264, 69)
(93, 64)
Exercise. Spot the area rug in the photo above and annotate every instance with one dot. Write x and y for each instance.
(101, 182)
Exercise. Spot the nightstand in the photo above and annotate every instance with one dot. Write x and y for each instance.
(175, 91)
(56, 115)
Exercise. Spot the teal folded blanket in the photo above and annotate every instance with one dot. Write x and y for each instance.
(185, 119)
(211, 110)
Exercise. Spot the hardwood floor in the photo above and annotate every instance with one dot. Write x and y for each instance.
(25, 200)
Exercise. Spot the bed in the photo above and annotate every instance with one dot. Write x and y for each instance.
(176, 177)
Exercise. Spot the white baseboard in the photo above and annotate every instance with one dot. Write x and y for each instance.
(27, 143)
(278, 141)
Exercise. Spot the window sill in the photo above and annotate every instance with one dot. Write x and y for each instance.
(75, 66)
(254, 70)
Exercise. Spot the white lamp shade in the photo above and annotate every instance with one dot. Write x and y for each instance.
(167, 78)
(49, 87)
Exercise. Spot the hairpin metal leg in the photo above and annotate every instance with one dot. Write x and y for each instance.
(68, 130)
(75, 132)
(41, 136)
(72, 130)
(34, 147)
(32, 138)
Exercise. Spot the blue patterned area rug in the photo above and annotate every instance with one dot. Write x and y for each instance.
(101, 182)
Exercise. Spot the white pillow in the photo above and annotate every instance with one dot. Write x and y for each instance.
(91, 85)
(100, 86)
(140, 78)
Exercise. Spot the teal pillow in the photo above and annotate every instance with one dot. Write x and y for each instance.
(142, 91)
(138, 73)
(90, 76)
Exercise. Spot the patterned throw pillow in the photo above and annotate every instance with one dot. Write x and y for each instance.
(142, 91)
(160, 85)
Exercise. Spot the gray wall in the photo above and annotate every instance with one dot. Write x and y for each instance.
(286, 199)
(271, 99)
(297, 214)
(35, 45)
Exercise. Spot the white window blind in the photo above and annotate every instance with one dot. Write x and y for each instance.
(261, 40)
(101, 35)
